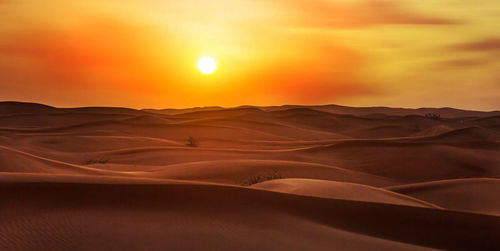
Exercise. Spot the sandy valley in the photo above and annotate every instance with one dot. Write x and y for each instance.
(248, 178)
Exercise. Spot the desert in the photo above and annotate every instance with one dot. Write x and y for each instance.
(249, 125)
(247, 178)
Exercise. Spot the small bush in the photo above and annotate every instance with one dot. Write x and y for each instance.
(192, 142)
(433, 115)
(261, 178)
(94, 161)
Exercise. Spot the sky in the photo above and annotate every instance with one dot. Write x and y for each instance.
(144, 53)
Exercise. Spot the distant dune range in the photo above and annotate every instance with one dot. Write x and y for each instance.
(271, 178)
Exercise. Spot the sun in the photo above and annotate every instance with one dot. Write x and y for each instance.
(207, 65)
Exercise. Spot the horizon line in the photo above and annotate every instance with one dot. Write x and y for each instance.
(247, 105)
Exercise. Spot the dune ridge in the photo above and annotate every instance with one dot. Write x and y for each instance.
(228, 207)
(478, 195)
(248, 178)
(341, 190)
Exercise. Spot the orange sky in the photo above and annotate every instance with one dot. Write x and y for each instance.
(354, 52)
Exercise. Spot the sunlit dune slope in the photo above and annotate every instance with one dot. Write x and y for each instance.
(472, 195)
(187, 216)
(340, 190)
(247, 178)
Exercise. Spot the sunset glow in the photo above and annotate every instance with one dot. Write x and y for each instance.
(249, 125)
(352, 52)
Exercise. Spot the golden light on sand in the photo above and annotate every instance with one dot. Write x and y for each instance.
(207, 65)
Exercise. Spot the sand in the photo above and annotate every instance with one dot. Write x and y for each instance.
(258, 178)
(477, 195)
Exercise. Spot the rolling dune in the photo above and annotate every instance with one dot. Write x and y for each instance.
(471, 195)
(186, 216)
(340, 190)
(250, 178)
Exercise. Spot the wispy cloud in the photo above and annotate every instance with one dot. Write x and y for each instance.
(362, 14)
(465, 63)
(490, 44)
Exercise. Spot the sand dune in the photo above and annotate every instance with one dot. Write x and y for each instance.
(186, 216)
(467, 134)
(340, 190)
(360, 111)
(252, 178)
(410, 162)
(240, 171)
(17, 161)
(472, 195)
(10, 107)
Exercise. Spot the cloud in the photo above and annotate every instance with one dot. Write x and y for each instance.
(359, 15)
(465, 63)
(485, 45)
(491, 44)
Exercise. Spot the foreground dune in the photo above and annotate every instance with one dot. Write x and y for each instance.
(249, 178)
(55, 215)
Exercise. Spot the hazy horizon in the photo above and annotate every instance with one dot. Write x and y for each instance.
(243, 105)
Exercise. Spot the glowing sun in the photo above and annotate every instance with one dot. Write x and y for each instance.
(207, 65)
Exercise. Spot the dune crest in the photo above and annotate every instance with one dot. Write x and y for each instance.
(255, 178)
(340, 190)
(472, 195)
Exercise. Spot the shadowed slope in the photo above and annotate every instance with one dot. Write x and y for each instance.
(180, 216)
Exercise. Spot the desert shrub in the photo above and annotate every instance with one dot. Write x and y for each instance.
(261, 178)
(95, 161)
(433, 115)
(192, 142)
